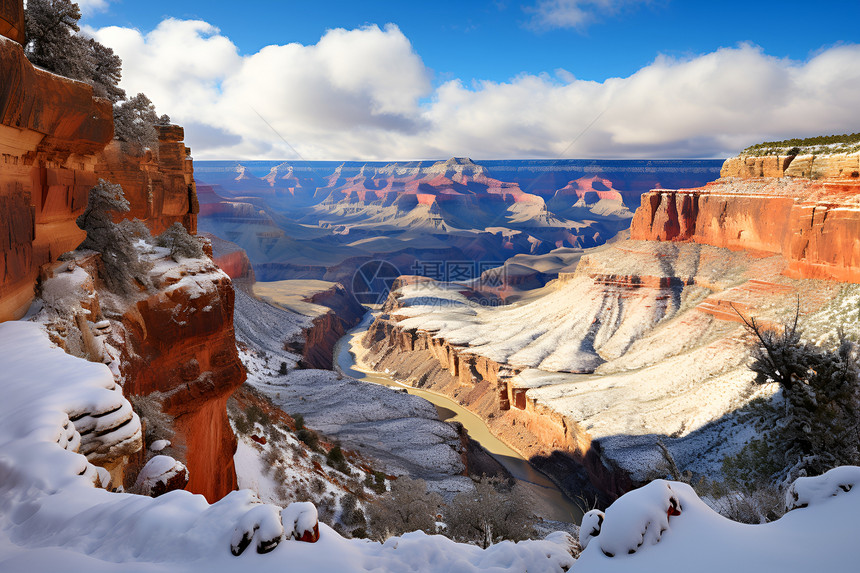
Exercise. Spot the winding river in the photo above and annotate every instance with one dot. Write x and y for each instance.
(349, 360)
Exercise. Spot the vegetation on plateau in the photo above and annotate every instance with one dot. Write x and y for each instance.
(54, 42)
(822, 144)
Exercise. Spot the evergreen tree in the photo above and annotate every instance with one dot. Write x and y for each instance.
(123, 269)
(54, 44)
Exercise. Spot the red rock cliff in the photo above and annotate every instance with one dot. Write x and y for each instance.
(180, 342)
(50, 130)
(55, 142)
(813, 222)
(160, 186)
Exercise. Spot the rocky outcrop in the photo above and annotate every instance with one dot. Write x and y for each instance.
(159, 184)
(319, 340)
(51, 129)
(814, 224)
(180, 342)
(12, 20)
(835, 166)
(556, 445)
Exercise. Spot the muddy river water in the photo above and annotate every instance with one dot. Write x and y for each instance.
(349, 359)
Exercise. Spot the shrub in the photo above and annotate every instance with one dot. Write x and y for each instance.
(180, 242)
(123, 268)
(309, 437)
(495, 511)
(409, 507)
(337, 460)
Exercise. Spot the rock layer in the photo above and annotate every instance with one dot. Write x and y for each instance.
(180, 342)
(159, 186)
(51, 128)
(814, 224)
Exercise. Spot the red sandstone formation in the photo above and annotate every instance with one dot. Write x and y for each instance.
(814, 224)
(12, 20)
(180, 342)
(160, 186)
(50, 130)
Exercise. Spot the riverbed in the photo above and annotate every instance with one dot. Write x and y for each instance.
(349, 359)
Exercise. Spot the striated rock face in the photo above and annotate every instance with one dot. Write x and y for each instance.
(160, 188)
(50, 130)
(814, 224)
(12, 20)
(836, 166)
(180, 342)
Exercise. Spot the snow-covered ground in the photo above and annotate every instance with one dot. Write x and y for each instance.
(664, 527)
(402, 432)
(629, 346)
(54, 518)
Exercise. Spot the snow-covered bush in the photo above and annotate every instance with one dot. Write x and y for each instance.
(124, 271)
(408, 507)
(818, 424)
(493, 512)
(180, 242)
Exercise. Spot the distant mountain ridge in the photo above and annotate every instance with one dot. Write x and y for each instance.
(321, 219)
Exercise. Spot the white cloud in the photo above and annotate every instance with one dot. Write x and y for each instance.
(573, 13)
(91, 6)
(366, 94)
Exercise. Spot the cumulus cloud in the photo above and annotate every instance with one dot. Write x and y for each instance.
(573, 13)
(91, 6)
(366, 94)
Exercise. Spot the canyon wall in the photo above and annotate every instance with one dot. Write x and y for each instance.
(180, 342)
(51, 130)
(159, 184)
(56, 141)
(806, 209)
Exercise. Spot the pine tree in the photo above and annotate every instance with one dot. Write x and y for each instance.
(54, 43)
(123, 269)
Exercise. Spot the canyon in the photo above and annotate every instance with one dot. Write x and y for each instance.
(564, 374)
(323, 220)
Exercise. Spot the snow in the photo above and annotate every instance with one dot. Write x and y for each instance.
(299, 518)
(52, 518)
(643, 537)
(158, 469)
(401, 432)
(158, 445)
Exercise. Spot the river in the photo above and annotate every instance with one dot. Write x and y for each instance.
(349, 360)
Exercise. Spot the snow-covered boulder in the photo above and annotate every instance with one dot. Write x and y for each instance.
(638, 519)
(160, 475)
(592, 522)
(807, 491)
(301, 522)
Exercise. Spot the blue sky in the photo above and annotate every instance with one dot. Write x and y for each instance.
(465, 59)
(499, 39)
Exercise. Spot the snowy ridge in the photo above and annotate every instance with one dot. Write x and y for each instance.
(640, 343)
(665, 527)
(53, 519)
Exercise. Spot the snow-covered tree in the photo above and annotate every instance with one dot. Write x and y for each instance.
(818, 425)
(180, 242)
(53, 43)
(493, 512)
(134, 124)
(123, 268)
